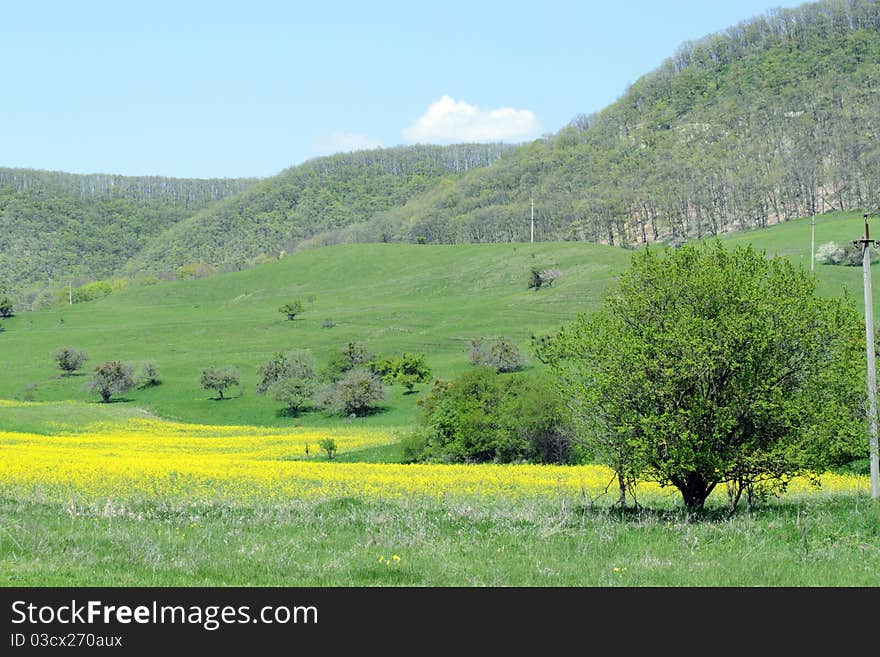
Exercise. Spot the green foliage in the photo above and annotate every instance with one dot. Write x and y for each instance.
(111, 378)
(500, 354)
(69, 360)
(543, 277)
(58, 226)
(193, 270)
(767, 121)
(335, 193)
(709, 367)
(329, 446)
(354, 355)
(291, 309)
(5, 307)
(356, 393)
(289, 378)
(218, 379)
(483, 416)
(406, 370)
(149, 375)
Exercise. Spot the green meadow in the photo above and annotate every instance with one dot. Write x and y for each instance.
(392, 298)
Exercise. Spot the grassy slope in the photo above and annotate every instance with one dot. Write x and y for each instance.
(392, 298)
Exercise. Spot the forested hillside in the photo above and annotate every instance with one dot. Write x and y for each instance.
(59, 227)
(774, 118)
(320, 195)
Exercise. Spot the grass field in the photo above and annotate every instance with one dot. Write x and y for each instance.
(170, 487)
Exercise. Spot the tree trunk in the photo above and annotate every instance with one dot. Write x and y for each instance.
(220, 390)
(694, 490)
(105, 395)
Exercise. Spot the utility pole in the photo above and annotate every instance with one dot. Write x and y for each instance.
(532, 239)
(69, 293)
(812, 242)
(867, 243)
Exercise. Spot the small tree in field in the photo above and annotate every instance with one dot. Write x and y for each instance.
(406, 370)
(356, 393)
(543, 278)
(111, 378)
(291, 309)
(709, 367)
(5, 307)
(289, 378)
(329, 446)
(69, 360)
(219, 379)
(500, 354)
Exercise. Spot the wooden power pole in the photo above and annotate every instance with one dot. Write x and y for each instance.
(867, 243)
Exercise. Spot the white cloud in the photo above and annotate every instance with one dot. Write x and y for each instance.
(344, 142)
(452, 121)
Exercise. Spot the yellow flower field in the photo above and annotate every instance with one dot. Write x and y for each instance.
(154, 459)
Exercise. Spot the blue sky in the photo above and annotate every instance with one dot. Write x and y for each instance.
(226, 89)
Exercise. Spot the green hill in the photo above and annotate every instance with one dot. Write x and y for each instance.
(392, 298)
(58, 227)
(774, 118)
(341, 191)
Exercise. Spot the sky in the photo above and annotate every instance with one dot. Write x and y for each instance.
(202, 89)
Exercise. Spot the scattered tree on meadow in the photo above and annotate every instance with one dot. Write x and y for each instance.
(482, 416)
(291, 309)
(149, 375)
(543, 278)
(111, 378)
(352, 356)
(406, 370)
(6, 307)
(219, 379)
(329, 446)
(707, 367)
(356, 393)
(501, 354)
(69, 360)
(289, 378)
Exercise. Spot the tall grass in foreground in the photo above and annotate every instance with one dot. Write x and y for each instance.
(465, 541)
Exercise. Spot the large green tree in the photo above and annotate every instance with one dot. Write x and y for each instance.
(707, 366)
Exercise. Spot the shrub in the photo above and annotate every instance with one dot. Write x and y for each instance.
(295, 364)
(406, 370)
(110, 379)
(294, 393)
(328, 323)
(500, 354)
(356, 393)
(69, 360)
(149, 375)
(219, 379)
(195, 270)
(6, 307)
(829, 254)
(484, 416)
(354, 355)
(291, 309)
(543, 278)
(329, 446)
